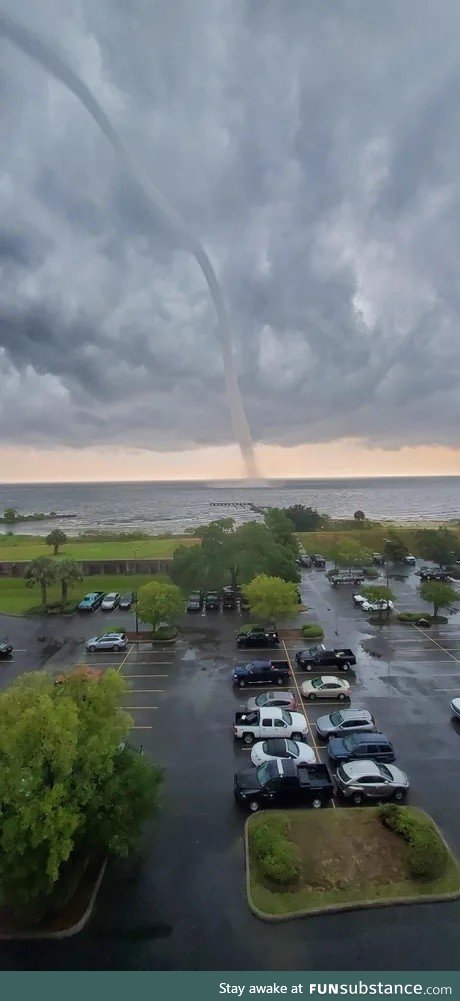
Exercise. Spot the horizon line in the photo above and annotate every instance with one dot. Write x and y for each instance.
(238, 480)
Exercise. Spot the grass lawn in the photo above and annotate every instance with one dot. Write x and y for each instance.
(28, 547)
(16, 597)
(347, 857)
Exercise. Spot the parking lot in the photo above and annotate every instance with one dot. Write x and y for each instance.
(180, 903)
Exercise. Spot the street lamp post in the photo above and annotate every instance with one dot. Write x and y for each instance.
(135, 554)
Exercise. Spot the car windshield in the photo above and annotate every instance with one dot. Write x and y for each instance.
(262, 700)
(385, 772)
(350, 741)
(336, 718)
(292, 747)
(263, 774)
(316, 683)
(286, 717)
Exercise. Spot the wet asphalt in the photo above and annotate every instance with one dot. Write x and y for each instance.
(179, 903)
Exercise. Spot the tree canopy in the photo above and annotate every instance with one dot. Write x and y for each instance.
(359, 516)
(41, 571)
(56, 539)
(438, 594)
(68, 783)
(395, 548)
(229, 555)
(271, 598)
(439, 545)
(304, 519)
(351, 553)
(159, 601)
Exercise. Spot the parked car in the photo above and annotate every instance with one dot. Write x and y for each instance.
(455, 706)
(347, 577)
(325, 687)
(212, 602)
(360, 745)
(359, 599)
(91, 601)
(193, 604)
(278, 747)
(378, 560)
(127, 600)
(284, 700)
(107, 641)
(344, 721)
(316, 657)
(432, 573)
(372, 606)
(259, 637)
(304, 560)
(410, 560)
(261, 723)
(6, 648)
(360, 780)
(283, 783)
(318, 561)
(229, 602)
(110, 601)
(261, 672)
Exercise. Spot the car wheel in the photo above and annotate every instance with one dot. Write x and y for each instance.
(308, 667)
(119, 648)
(311, 696)
(241, 683)
(342, 696)
(253, 806)
(92, 648)
(279, 681)
(248, 738)
(399, 795)
(316, 804)
(346, 667)
(297, 737)
(357, 798)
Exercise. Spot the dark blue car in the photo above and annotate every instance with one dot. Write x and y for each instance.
(356, 746)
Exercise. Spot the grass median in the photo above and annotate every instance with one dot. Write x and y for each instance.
(16, 598)
(345, 858)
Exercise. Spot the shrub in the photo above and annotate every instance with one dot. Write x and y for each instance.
(370, 573)
(421, 618)
(264, 837)
(282, 865)
(165, 633)
(428, 854)
(312, 631)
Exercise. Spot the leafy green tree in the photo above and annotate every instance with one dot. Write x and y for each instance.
(41, 571)
(282, 529)
(351, 553)
(438, 594)
(68, 572)
(10, 515)
(68, 785)
(304, 519)
(159, 601)
(376, 593)
(439, 545)
(394, 548)
(232, 556)
(359, 516)
(271, 598)
(56, 538)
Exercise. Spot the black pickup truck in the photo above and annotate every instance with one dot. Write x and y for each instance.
(282, 783)
(318, 657)
(6, 648)
(261, 672)
(259, 637)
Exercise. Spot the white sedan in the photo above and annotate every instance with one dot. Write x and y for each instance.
(326, 687)
(455, 706)
(372, 606)
(267, 750)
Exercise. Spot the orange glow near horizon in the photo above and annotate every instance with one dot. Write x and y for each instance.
(342, 458)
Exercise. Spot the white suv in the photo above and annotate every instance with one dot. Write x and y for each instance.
(108, 641)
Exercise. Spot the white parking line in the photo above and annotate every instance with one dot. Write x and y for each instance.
(129, 676)
(302, 703)
(139, 708)
(142, 727)
(142, 691)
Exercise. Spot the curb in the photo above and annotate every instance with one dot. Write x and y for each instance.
(341, 908)
(64, 932)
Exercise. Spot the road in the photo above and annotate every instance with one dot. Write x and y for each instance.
(180, 904)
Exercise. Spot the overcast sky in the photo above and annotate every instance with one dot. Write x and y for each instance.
(313, 148)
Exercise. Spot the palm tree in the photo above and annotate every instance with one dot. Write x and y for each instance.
(41, 571)
(68, 572)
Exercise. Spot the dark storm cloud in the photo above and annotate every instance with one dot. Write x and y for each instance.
(312, 148)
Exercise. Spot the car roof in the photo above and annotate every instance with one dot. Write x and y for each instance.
(111, 594)
(331, 677)
(354, 713)
(373, 738)
(355, 769)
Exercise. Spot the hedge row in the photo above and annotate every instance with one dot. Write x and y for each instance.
(312, 631)
(428, 855)
(277, 857)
